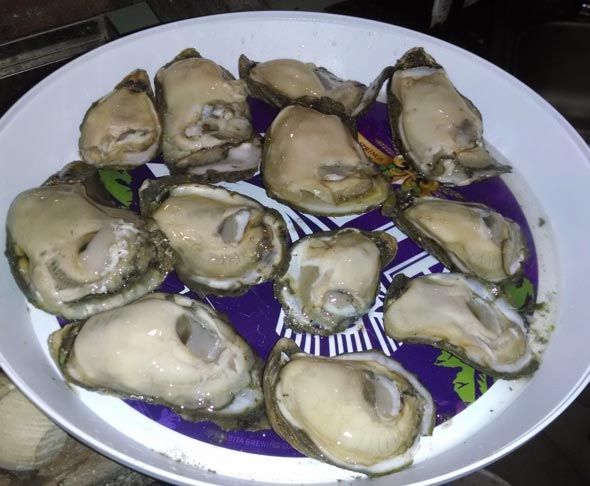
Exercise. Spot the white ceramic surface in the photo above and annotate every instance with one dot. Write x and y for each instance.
(39, 135)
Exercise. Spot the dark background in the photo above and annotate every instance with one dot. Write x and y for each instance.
(545, 43)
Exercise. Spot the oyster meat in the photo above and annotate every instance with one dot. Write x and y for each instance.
(467, 237)
(165, 349)
(333, 278)
(207, 126)
(122, 129)
(312, 162)
(225, 242)
(360, 411)
(74, 255)
(464, 316)
(437, 128)
(283, 82)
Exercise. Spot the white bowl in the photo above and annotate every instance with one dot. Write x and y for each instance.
(39, 135)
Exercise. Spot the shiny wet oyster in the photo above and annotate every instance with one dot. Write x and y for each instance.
(468, 237)
(283, 82)
(74, 255)
(225, 242)
(462, 315)
(360, 411)
(240, 163)
(437, 128)
(333, 278)
(165, 349)
(207, 126)
(313, 163)
(122, 129)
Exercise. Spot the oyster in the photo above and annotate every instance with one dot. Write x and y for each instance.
(165, 349)
(360, 411)
(207, 126)
(224, 242)
(74, 255)
(283, 82)
(467, 237)
(122, 129)
(438, 129)
(462, 315)
(313, 163)
(333, 278)
(240, 163)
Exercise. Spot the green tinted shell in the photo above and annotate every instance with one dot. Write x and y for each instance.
(464, 316)
(437, 129)
(333, 278)
(326, 408)
(79, 255)
(196, 364)
(466, 237)
(224, 242)
(273, 82)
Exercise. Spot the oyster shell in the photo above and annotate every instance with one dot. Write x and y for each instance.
(333, 278)
(206, 120)
(313, 162)
(462, 315)
(360, 411)
(165, 349)
(240, 163)
(122, 129)
(439, 130)
(283, 82)
(224, 242)
(73, 255)
(467, 237)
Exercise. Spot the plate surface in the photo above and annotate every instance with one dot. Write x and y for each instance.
(39, 135)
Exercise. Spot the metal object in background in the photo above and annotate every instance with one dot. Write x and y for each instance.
(25, 61)
(53, 46)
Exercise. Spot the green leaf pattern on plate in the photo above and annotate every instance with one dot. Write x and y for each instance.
(117, 183)
(520, 294)
(468, 381)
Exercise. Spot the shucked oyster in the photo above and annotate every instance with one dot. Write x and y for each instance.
(359, 411)
(468, 237)
(73, 255)
(225, 242)
(333, 278)
(313, 163)
(207, 127)
(439, 130)
(166, 349)
(122, 129)
(283, 82)
(463, 316)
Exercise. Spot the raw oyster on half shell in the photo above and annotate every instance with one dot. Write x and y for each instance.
(333, 278)
(359, 411)
(73, 254)
(462, 315)
(467, 237)
(206, 120)
(436, 127)
(165, 349)
(283, 82)
(224, 242)
(314, 163)
(122, 129)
